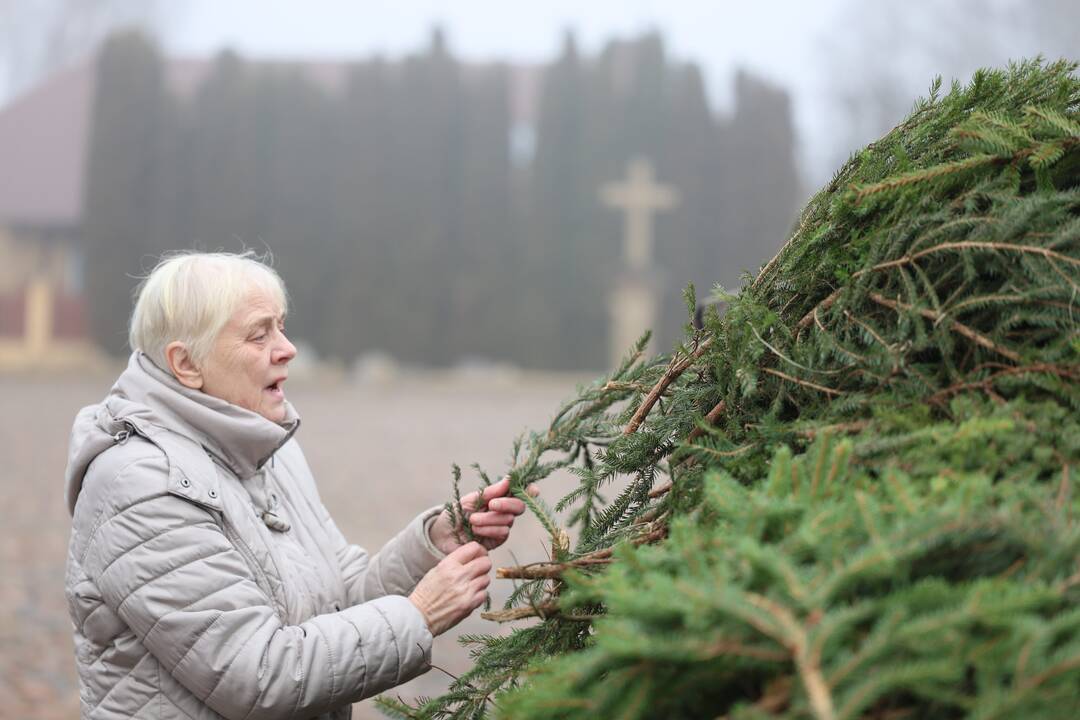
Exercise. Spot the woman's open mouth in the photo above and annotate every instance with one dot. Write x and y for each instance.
(276, 390)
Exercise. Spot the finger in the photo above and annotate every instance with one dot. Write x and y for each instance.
(480, 583)
(479, 566)
(481, 519)
(497, 489)
(532, 490)
(470, 501)
(467, 552)
(507, 505)
(493, 532)
(471, 573)
(478, 599)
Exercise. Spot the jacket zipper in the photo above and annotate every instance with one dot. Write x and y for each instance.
(249, 555)
(227, 526)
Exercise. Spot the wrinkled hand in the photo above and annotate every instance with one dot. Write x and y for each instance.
(454, 588)
(490, 526)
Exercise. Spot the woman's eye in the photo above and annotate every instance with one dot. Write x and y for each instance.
(260, 337)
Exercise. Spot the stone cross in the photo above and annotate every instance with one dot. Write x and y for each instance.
(639, 197)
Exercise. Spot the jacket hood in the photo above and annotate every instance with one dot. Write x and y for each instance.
(150, 399)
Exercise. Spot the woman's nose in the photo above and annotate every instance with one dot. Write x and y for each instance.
(285, 351)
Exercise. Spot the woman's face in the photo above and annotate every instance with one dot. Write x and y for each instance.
(248, 363)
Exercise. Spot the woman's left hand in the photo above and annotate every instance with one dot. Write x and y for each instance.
(490, 526)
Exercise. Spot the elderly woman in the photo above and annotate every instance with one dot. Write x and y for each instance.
(205, 576)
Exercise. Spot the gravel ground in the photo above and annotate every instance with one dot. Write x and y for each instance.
(380, 451)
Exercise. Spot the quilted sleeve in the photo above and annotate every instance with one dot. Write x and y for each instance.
(165, 567)
(396, 568)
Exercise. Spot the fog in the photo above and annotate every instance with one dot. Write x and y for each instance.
(429, 179)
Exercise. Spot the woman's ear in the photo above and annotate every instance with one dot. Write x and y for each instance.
(182, 366)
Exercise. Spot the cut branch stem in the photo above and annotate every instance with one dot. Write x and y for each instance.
(542, 610)
(955, 325)
(674, 370)
(805, 383)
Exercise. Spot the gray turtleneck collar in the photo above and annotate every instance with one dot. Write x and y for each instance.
(239, 439)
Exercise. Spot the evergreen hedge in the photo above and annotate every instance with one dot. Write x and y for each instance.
(852, 494)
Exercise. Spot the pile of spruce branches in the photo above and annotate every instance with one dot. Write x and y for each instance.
(852, 495)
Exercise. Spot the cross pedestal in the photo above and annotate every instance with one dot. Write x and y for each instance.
(39, 316)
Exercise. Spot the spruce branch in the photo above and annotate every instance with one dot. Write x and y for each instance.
(541, 610)
(956, 325)
(825, 304)
(792, 635)
(1064, 488)
(548, 570)
(711, 418)
(1068, 372)
(675, 368)
(862, 192)
(661, 490)
(913, 528)
(788, 360)
(734, 452)
(458, 516)
(1047, 253)
(804, 383)
(856, 426)
(1051, 118)
(551, 570)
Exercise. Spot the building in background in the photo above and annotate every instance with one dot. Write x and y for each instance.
(43, 139)
(425, 207)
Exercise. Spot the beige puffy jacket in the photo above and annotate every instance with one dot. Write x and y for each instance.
(206, 579)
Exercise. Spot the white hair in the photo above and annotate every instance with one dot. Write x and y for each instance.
(191, 296)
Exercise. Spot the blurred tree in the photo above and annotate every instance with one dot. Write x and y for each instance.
(483, 287)
(737, 178)
(225, 134)
(563, 199)
(758, 182)
(692, 162)
(558, 205)
(294, 197)
(363, 309)
(887, 54)
(430, 139)
(122, 199)
(259, 174)
(394, 210)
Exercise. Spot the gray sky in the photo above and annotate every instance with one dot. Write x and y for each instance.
(775, 37)
(778, 39)
(852, 67)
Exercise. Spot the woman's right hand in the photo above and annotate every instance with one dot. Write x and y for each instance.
(453, 588)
